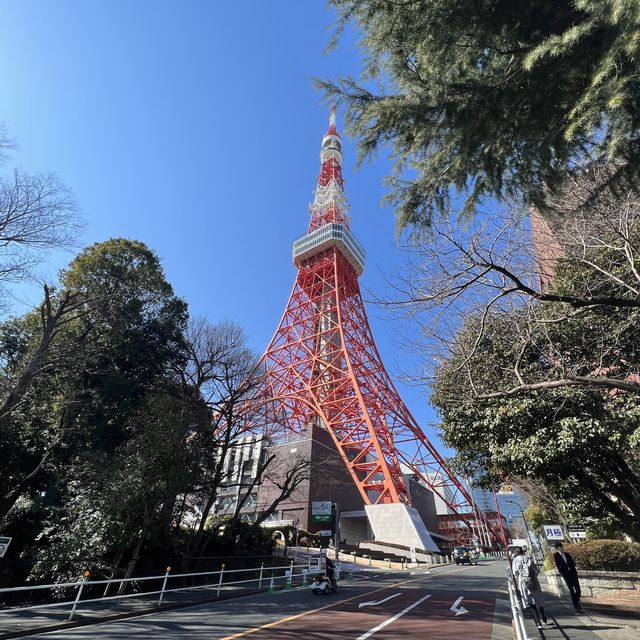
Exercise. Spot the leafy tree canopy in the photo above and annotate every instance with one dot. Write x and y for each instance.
(492, 97)
(580, 442)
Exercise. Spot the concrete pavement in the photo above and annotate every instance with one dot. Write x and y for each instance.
(588, 625)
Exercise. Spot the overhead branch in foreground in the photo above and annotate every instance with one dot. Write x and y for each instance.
(491, 100)
(563, 321)
(569, 381)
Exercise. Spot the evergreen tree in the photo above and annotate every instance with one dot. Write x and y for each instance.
(492, 97)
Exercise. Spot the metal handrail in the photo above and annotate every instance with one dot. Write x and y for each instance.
(219, 584)
(516, 608)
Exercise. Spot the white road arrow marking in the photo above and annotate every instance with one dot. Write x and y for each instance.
(382, 625)
(369, 604)
(456, 609)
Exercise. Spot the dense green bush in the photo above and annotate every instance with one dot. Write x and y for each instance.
(604, 554)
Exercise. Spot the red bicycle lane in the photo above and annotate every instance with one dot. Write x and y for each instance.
(388, 615)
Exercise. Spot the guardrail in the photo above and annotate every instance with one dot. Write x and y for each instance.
(516, 608)
(264, 578)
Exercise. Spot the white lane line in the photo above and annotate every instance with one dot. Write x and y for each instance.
(382, 625)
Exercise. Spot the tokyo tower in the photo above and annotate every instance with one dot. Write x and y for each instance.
(322, 367)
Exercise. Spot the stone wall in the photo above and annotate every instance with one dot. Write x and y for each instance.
(593, 583)
(397, 550)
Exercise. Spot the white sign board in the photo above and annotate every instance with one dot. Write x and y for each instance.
(553, 532)
(321, 508)
(519, 542)
(577, 532)
(317, 565)
(321, 512)
(4, 545)
(325, 533)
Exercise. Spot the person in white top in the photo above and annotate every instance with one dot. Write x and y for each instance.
(526, 573)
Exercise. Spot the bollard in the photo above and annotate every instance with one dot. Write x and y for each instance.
(388, 562)
(355, 557)
(83, 580)
(260, 579)
(164, 586)
(272, 586)
(220, 581)
(290, 577)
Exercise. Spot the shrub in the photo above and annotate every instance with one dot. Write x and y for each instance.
(605, 554)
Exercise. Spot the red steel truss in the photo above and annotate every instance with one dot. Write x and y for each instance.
(322, 366)
(456, 526)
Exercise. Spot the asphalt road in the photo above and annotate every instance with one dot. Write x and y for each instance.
(443, 602)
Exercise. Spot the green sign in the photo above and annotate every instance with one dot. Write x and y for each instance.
(320, 518)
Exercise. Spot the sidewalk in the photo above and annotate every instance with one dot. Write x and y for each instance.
(15, 623)
(591, 624)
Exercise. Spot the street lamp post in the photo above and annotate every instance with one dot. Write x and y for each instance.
(526, 526)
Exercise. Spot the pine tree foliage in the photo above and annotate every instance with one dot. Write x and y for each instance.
(492, 97)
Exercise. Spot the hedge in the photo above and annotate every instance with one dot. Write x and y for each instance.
(604, 555)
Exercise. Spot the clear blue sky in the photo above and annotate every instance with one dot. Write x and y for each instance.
(194, 127)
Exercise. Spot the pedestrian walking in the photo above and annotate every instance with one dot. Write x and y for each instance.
(526, 573)
(567, 568)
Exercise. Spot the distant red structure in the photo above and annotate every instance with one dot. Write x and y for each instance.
(322, 367)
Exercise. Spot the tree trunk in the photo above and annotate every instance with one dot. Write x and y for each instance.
(135, 556)
(50, 321)
(9, 499)
(116, 566)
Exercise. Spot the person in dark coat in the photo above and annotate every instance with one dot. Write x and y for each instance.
(567, 568)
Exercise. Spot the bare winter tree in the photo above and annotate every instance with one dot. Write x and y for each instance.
(38, 213)
(465, 282)
(219, 368)
(281, 479)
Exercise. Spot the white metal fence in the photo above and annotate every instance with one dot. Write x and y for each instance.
(262, 578)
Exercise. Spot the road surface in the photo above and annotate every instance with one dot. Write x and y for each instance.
(442, 602)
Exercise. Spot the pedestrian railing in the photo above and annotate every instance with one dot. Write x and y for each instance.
(263, 578)
(517, 612)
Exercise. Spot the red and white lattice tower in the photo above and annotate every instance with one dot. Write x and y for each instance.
(322, 367)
